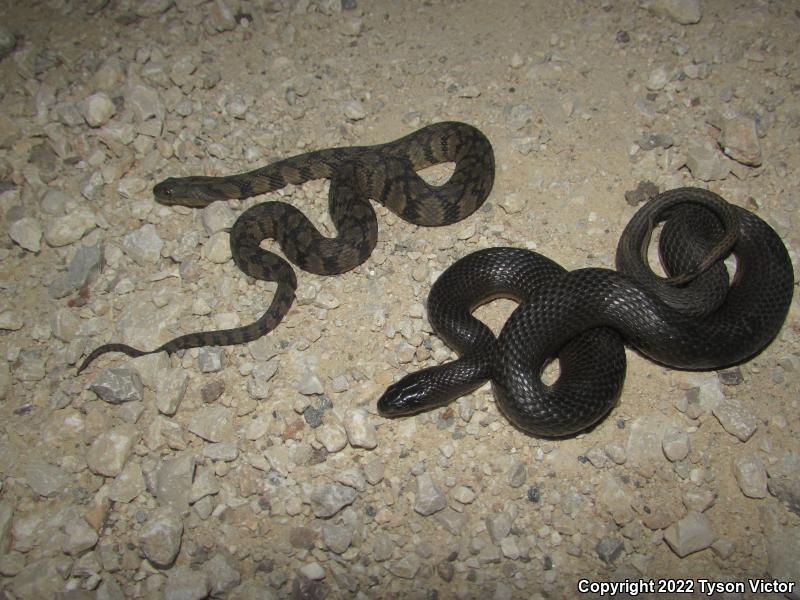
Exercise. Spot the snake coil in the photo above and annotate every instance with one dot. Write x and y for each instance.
(693, 319)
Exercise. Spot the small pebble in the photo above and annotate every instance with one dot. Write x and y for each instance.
(751, 476)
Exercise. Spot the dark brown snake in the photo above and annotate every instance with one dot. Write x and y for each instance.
(386, 173)
(693, 320)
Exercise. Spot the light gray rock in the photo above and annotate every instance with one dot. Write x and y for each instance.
(131, 186)
(597, 456)
(174, 481)
(98, 109)
(518, 116)
(751, 476)
(354, 110)
(171, 390)
(691, 534)
(517, 473)
(11, 320)
(224, 451)
(512, 203)
(109, 74)
(87, 565)
(360, 430)
(406, 567)
(205, 484)
(217, 217)
(685, 12)
(145, 103)
(222, 574)
(724, 548)
(783, 558)
(143, 245)
(118, 385)
(330, 7)
(237, 106)
(499, 526)
(278, 458)
(27, 233)
(332, 435)
(374, 471)
(110, 450)
(464, 494)
(79, 537)
(313, 571)
(12, 563)
(211, 359)
(222, 18)
(489, 555)
(128, 484)
(675, 445)
(340, 384)
(181, 69)
(658, 79)
(109, 589)
(85, 266)
(739, 140)
(705, 162)
(6, 517)
(310, 384)
(160, 537)
(30, 365)
(644, 449)
(328, 499)
(65, 325)
(613, 496)
(453, 521)
(186, 583)
(213, 423)
(69, 228)
(45, 479)
(117, 133)
(337, 537)
(698, 500)
(42, 578)
(736, 419)
(616, 452)
(218, 151)
(429, 498)
(784, 480)
(352, 478)
(382, 547)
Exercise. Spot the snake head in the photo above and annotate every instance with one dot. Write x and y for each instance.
(426, 389)
(412, 394)
(166, 192)
(187, 191)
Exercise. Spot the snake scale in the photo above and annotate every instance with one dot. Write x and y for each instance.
(386, 173)
(694, 319)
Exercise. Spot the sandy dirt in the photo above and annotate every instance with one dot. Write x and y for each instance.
(264, 470)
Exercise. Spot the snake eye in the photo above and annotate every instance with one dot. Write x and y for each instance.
(168, 192)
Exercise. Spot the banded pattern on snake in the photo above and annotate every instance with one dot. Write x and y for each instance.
(386, 173)
(691, 320)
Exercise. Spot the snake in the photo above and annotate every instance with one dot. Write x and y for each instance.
(386, 173)
(695, 318)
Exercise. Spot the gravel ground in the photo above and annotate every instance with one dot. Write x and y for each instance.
(263, 470)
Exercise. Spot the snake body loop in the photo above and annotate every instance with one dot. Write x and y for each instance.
(386, 173)
(581, 317)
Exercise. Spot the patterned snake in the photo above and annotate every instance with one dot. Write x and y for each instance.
(690, 321)
(386, 173)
